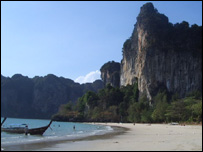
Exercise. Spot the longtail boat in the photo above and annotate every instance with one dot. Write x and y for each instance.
(23, 129)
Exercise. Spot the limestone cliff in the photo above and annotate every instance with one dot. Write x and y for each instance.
(40, 97)
(162, 55)
(110, 73)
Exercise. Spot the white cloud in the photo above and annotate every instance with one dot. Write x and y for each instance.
(90, 77)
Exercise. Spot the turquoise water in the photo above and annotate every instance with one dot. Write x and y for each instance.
(57, 131)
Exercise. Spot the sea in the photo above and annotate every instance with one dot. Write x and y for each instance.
(56, 132)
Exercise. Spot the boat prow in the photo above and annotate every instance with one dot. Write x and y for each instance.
(3, 121)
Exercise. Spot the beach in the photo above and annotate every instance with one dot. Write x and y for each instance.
(130, 137)
(141, 137)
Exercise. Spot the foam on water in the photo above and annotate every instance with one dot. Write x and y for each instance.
(58, 131)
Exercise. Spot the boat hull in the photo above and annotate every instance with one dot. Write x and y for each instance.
(33, 131)
(13, 130)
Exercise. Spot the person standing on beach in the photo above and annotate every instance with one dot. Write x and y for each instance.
(74, 127)
(26, 129)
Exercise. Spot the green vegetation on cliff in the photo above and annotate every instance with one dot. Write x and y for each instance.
(122, 105)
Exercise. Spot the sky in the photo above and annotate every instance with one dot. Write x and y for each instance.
(73, 39)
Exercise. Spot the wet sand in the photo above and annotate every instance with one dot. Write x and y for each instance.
(138, 137)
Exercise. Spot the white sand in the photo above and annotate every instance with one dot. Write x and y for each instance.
(142, 137)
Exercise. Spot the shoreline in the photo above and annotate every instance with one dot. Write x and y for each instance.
(38, 146)
(129, 137)
(142, 137)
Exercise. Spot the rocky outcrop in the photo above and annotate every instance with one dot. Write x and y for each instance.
(110, 73)
(162, 55)
(39, 97)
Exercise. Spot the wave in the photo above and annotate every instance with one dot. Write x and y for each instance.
(64, 132)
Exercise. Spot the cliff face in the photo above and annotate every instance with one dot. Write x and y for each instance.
(39, 97)
(162, 55)
(110, 73)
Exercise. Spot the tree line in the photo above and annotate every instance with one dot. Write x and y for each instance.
(125, 105)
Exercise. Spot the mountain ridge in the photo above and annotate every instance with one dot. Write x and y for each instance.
(40, 97)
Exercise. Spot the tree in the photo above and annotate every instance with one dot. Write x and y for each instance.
(146, 116)
(197, 111)
(159, 112)
(122, 109)
(135, 92)
(134, 112)
(90, 98)
(161, 105)
(176, 111)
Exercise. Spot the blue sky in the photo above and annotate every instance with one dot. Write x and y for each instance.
(73, 39)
